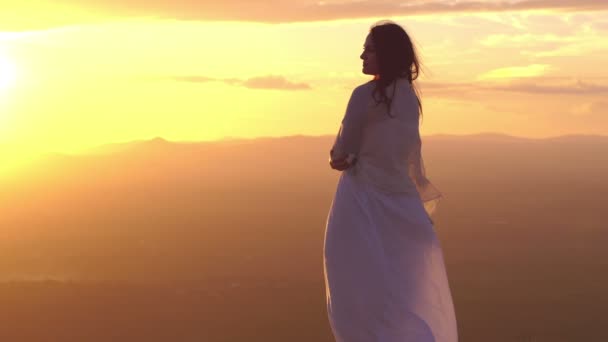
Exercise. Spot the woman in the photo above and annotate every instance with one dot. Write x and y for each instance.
(383, 264)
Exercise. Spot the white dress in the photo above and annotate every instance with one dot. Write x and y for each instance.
(383, 265)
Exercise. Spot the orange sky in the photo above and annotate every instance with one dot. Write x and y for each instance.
(76, 74)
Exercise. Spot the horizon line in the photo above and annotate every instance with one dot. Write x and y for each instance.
(159, 139)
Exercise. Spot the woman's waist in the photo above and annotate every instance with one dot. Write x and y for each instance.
(386, 167)
(390, 178)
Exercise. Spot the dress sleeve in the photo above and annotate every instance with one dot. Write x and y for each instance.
(348, 140)
(429, 194)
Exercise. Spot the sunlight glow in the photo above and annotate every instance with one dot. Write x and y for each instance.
(516, 72)
(8, 73)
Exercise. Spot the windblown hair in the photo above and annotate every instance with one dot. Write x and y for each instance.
(397, 58)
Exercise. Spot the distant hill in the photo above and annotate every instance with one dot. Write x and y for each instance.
(299, 156)
(522, 225)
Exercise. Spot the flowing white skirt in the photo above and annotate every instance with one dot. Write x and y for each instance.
(385, 277)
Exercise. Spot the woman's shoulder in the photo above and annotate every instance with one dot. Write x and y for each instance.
(371, 84)
(367, 85)
(364, 88)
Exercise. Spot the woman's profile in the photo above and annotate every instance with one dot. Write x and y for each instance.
(383, 265)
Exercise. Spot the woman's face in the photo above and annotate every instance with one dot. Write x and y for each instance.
(370, 64)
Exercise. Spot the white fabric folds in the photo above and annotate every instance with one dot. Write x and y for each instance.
(385, 277)
(387, 149)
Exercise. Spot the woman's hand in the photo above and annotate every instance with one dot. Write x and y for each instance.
(340, 164)
(343, 163)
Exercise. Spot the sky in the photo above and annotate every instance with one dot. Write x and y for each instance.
(78, 74)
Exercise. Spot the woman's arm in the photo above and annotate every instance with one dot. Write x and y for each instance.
(344, 163)
(348, 140)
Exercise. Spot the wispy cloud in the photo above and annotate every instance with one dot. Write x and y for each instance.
(533, 70)
(577, 87)
(279, 11)
(274, 82)
(601, 26)
(262, 82)
(584, 39)
(524, 40)
(547, 86)
(590, 109)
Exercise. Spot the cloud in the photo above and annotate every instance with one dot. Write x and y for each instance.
(203, 79)
(577, 87)
(273, 82)
(280, 11)
(533, 70)
(591, 109)
(601, 26)
(263, 82)
(547, 86)
(524, 40)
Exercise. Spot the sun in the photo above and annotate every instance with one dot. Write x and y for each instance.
(8, 73)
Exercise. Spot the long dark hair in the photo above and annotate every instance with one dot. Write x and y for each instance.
(397, 58)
